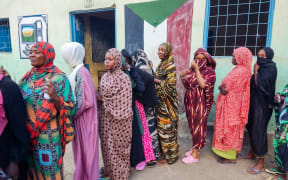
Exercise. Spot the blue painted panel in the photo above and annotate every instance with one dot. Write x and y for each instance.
(134, 31)
(206, 24)
(270, 22)
(77, 29)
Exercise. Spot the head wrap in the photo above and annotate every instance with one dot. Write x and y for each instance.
(73, 53)
(269, 53)
(118, 60)
(127, 55)
(168, 50)
(49, 56)
(210, 61)
(243, 57)
(142, 61)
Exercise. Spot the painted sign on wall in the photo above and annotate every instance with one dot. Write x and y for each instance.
(31, 29)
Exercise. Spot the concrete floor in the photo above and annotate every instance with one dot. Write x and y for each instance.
(206, 169)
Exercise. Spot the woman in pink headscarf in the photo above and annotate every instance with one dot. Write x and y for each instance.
(232, 108)
(199, 83)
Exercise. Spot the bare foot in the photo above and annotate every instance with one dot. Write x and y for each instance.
(250, 155)
(162, 162)
(226, 161)
(195, 153)
(258, 167)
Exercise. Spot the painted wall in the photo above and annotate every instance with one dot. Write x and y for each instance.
(58, 26)
(59, 33)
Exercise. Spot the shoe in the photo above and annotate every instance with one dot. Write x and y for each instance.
(140, 166)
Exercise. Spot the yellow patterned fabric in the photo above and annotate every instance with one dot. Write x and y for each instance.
(167, 110)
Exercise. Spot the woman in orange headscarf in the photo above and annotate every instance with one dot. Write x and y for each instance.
(232, 108)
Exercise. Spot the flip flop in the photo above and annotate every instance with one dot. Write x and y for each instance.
(274, 171)
(162, 162)
(151, 164)
(189, 160)
(189, 153)
(242, 156)
(225, 161)
(140, 166)
(254, 171)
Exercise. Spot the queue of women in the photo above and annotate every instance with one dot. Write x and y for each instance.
(135, 111)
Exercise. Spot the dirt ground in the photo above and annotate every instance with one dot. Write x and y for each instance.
(206, 169)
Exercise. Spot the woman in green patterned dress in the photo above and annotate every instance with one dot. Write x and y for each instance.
(49, 100)
(280, 143)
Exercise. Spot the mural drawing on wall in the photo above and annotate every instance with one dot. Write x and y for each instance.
(31, 29)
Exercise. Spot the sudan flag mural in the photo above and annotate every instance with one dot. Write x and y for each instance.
(149, 24)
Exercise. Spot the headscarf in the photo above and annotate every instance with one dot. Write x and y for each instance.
(243, 57)
(73, 53)
(49, 56)
(142, 61)
(269, 56)
(126, 54)
(116, 90)
(168, 50)
(267, 74)
(37, 74)
(210, 61)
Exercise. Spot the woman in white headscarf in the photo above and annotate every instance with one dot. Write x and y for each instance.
(85, 143)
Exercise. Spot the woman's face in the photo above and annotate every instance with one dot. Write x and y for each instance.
(200, 59)
(109, 61)
(36, 57)
(262, 53)
(234, 62)
(161, 51)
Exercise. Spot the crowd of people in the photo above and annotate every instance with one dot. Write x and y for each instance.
(135, 111)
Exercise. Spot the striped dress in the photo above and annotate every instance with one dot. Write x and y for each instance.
(198, 103)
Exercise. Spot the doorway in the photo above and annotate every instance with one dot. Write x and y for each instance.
(96, 31)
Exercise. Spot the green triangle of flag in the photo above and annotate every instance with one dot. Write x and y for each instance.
(156, 12)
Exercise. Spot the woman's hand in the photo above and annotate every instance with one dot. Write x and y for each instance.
(183, 73)
(99, 98)
(13, 170)
(223, 90)
(194, 65)
(256, 67)
(157, 80)
(277, 98)
(50, 90)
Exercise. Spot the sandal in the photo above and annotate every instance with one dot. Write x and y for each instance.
(226, 161)
(189, 152)
(274, 171)
(242, 156)
(140, 166)
(151, 164)
(189, 160)
(254, 171)
(162, 162)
